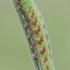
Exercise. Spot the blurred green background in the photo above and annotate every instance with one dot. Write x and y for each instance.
(14, 54)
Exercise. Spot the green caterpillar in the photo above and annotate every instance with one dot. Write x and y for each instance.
(37, 33)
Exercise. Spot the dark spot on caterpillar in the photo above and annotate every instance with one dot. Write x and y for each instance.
(26, 18)
(30, 34)
(40, 17)
(34, 22)
(18, 2)
(40, 41)
(47, 68)
(37, 31)
(30, 8)
(45, 59)
(44, 26)
(23, 12)
(28, 25)
(20, 7)
(51, 57)
(49, 47)
(47, 37)
(33, 13)
(33, 44)
(43, 51)
(36, 54)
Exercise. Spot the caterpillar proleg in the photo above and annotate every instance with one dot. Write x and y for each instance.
(36, 34)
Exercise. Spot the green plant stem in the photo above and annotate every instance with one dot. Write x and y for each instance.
(36, 65)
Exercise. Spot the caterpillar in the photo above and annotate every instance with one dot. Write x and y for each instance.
(36, 33)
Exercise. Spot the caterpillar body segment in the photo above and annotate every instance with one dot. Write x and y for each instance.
(37, 33)
(35, 45)
(34, 23)
(28, 8)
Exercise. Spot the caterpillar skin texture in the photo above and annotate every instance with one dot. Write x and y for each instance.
(37, 33)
